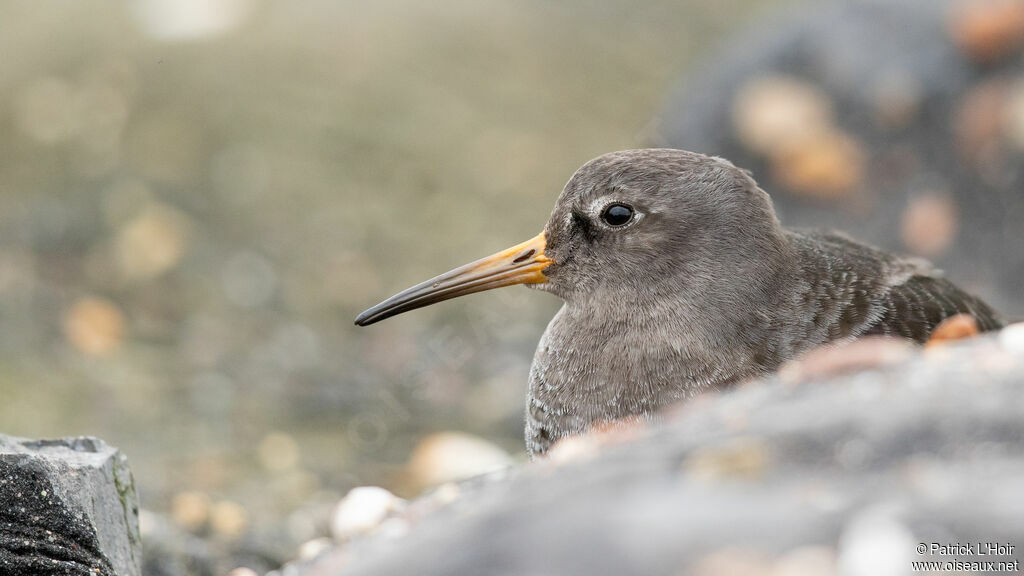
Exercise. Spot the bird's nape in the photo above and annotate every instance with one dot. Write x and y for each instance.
(521, 264)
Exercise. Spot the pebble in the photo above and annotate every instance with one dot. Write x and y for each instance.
(152, 244)
(95, 326)
(451, 456)
(828, 165)
(956, 327)
(1011, 338)
(313, 548)
(770, 112)
(190, 510)
(929, 224)
(988, 30)
(875, 543)
(362, 510)
(228, 519)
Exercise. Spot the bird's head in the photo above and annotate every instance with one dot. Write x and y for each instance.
(627, 224)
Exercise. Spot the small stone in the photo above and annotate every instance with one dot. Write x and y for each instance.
(988, 30)
(228, 519)
(94, 326)
(875, 543)
(151, 244)
(362, 510)
(1011, 338)
(930, 224)
(955, 327)
(313, 548)
(190, 510)
(828, 165)
(449, 456)
(773, 112)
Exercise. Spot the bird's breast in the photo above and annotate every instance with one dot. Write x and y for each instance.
(588, 370)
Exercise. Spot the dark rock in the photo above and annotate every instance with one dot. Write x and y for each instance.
(847, 473)
(897, 122)
(67, 506)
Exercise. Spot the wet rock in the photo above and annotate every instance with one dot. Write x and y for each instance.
(845, 474)
(67, 506)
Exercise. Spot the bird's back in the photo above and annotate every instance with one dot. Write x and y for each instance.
(855, 290)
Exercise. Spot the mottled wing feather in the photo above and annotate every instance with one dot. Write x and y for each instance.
(858, 290)
(914, 308)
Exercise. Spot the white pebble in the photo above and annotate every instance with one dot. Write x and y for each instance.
(362, 510)
(1011, 338)
(313, 548)
(876, 543)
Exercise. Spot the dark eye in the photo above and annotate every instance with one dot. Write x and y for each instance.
(617, 215)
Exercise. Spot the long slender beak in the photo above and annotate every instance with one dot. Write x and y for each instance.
(521, 264)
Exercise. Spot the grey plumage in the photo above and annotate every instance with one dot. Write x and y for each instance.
(701, 288)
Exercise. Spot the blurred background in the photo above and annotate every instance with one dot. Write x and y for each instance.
(197, 198)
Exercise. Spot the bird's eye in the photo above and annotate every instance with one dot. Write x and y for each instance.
(617, 215)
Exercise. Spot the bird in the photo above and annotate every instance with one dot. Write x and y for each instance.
(676, 278)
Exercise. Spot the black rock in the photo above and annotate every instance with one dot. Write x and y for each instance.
(67, 506)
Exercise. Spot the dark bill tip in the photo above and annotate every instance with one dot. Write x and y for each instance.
(520, 264)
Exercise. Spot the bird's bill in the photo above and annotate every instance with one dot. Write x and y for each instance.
(521, 264)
